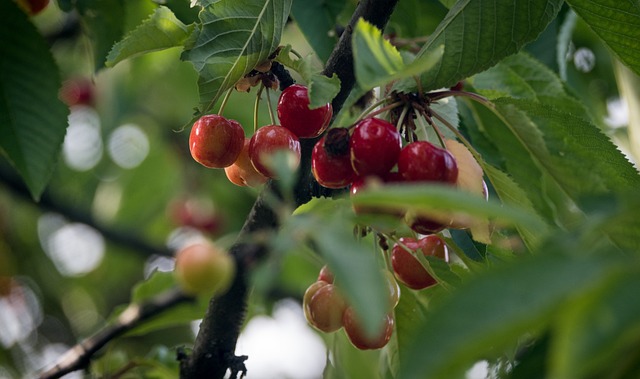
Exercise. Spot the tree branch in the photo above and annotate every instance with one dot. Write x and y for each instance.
(79, 356)
(215, 344)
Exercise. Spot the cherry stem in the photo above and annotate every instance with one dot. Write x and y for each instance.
(271, 116)
(403, 115)
(435, 128)
(434, 96)
(381, 110)
(256, 107)
(224, 101)
(294, 52)
(370, 108)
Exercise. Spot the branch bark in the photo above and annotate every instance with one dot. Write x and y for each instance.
(214, 348)
(79, 356)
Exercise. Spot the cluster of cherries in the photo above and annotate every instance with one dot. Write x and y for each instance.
(369, 153)
(217, 142)
(326, 309)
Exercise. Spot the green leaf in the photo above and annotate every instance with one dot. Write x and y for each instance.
(161, 30)
(104, 23)
(478, 34)
(317, 21)
(617, 23)
(497, 308)
(425, 197)
(234, 37)
(378, 62)
(33, 120)
(598, 330)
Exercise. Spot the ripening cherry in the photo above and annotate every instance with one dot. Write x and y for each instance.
(325, 308)
(215, 141)
(326, 275)
(356, 333)
(408, 269)
(393, 289)
(204, 268)
(422, 161)
(330, 160)
(295, 115)
(375, 145)
(77, 91)
(308, 294)
(242, 172)
(267, 141)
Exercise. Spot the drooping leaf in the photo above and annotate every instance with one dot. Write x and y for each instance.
(104, 24)
(473, 44)
(598, 330)
(498, 308)
(162, 30)
(377, 62)
(317, 21)
(235, 36)
(425, 197)
(33, 120)
(617, 23)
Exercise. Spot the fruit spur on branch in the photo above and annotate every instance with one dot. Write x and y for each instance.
(380, 147)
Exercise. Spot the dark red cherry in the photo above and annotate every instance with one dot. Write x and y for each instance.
(375, 145)
(422, 161)
(330, 160)
(408, 269)
(295, 115)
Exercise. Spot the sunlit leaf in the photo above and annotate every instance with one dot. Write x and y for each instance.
(33, 120)
(473, 43)
(161, 30)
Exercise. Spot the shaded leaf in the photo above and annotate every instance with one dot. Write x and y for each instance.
(497, 308)
(235, 36)
(317, 21)
(473, 44)
(33, 120)
(161, 30)
(617, 23)
(104, 23)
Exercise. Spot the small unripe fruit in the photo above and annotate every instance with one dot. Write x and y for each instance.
(358, 337)
(325, 308)
(242, 172)
(203, 268)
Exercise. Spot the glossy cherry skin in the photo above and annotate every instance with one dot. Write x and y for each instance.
(422, 161)
(375, 145)
(408, 269)
(295, 115)
(204, 268)
(308, 294)
(242, 172)
(216, 142)
(331, 170)
(325, 308)
(357, 335)
(267, 141)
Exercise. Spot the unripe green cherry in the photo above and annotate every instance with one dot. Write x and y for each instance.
(204, 268)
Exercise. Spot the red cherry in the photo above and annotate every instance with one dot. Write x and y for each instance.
(408, 269)
(33, 7)
(326, 275)
(242, 172)
(308, 294)
(267, 141)
(330, 160)
(77, 91)
(422, 161)
(326, 307)
(357, 336)
(424, 224)
(216, 142)
(295, 115)
(375, 145)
